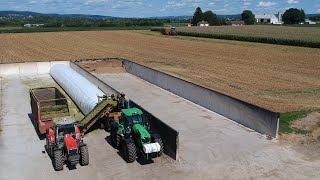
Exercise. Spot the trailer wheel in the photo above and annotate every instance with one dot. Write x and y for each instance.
(58, 160)
(159, 140)
(129, 152)
(84, 156)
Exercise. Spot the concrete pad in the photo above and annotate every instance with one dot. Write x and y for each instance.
(21, 150)
(212, 145)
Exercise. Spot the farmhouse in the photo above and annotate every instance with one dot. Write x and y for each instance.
(203, 24)
(235, 23)
(268, 18)
(33, 25)
(308, 21)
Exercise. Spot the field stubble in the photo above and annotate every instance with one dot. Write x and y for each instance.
(279, 78)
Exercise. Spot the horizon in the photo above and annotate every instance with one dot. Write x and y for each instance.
(156, 8)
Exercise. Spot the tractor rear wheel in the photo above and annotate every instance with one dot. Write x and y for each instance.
(129, 151)
(84, 156)
(159, 140)
(58, 160)
(115, 138)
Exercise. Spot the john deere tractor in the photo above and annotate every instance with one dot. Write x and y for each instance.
(131, 134)
(65, 145)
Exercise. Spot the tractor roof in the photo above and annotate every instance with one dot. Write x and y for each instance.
(131, 111)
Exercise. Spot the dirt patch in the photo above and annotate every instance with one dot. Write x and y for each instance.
(308, 145)
(310, 123)
(101, 67)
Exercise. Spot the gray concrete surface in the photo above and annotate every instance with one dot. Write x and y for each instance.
(254, 117)
(212, 146)
(21, 149)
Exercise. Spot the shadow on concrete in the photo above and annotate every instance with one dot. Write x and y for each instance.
(35, 125)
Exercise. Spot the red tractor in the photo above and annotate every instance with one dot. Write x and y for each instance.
(65, 145)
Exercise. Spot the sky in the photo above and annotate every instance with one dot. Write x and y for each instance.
(151, 8)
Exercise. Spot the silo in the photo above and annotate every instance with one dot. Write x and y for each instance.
(82, 91)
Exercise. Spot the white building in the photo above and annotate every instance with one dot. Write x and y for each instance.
(33, 25)
(308, 21)
(203, 24)
(268, 18)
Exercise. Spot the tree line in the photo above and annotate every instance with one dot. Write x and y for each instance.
(50, 21)
(291, 16)
(207, 16)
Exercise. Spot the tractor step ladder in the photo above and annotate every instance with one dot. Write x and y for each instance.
(101, 110)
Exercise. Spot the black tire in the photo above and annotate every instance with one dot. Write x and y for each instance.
(159, 140)
(58, 160)
(129, 152)
(115, 138)
(84, 156)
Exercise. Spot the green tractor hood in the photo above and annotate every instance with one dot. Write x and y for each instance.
(144, 134)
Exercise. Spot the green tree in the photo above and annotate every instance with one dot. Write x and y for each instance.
(197, 16)
(293, 16)
(211, 18)
(248, 17)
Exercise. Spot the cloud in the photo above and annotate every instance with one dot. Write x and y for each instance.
(266, 4)
(292, 1)
(318, 10)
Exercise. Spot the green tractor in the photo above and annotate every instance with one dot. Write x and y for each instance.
(131, 134)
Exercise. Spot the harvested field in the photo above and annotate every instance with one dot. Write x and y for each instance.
(279, 78)
(278, 32)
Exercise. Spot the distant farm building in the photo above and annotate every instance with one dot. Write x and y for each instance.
(235, 23)
(33, 25)
(308, 21)
(269, 18)
(203, 24)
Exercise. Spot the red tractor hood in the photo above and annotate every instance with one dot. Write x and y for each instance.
(70, 142)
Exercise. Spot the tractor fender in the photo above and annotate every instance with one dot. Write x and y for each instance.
(155, 136)
(115, 125)
(81, 143)
(129, 140)
(56, 148)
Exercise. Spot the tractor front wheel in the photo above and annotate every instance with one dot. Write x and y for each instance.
(129, 151)
(58, 160)
(84, 156)
(115, 138)
(159, 140)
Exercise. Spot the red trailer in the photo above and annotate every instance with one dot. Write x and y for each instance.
(47, 103)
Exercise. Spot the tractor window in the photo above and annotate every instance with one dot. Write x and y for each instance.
(66, 129)
(135, 119)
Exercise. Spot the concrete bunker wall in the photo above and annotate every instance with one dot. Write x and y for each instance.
(28, 68)
(254, 117)
(169, 135)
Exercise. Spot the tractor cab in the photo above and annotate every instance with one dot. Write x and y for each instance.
(64, 126)
(131, 116)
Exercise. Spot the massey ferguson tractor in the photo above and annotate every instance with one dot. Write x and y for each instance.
(65, 145)
(131, 134)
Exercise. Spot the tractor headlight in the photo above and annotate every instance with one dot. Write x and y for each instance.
(128, 130)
